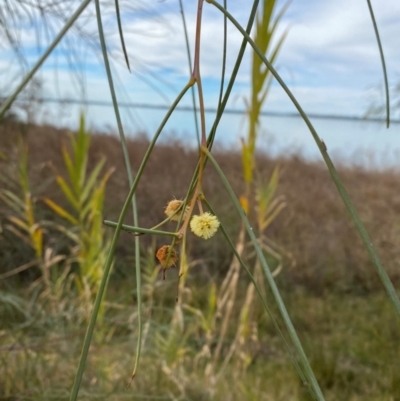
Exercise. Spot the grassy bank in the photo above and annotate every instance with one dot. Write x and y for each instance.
(331, 290)
(352, 343)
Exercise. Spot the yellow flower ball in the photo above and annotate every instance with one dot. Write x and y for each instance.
(205, 225)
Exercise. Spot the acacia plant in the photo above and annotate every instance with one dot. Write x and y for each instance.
(258, 199)
(190, 211)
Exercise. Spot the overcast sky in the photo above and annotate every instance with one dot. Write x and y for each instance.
(330, 59)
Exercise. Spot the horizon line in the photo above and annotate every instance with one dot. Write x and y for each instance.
(103, 103)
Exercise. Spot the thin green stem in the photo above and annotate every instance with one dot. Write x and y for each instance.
(113, 94)
(225, 99)
(108, 263)
(221, 89)
(5, 106)
(314, 386)
(196, 62)
(129, 172)
(196, 78)
(196, 122)
(384, 277)
(378, 39)
(235, 70)
(202, 113)
(139, 230)
(196, 74)
(121, 34)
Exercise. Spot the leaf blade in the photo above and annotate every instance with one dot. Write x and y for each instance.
(60, 211)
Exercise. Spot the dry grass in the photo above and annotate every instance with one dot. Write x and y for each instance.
(331, 290)
(314, 229)
(352, 343)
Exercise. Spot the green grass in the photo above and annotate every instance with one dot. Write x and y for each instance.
(351, 341)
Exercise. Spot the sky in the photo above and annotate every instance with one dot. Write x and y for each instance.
(329, 60)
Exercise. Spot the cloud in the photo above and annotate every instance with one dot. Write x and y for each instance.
(340, 34)
(329, 59)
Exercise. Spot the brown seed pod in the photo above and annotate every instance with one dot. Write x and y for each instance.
(172, 207)
(167, 256)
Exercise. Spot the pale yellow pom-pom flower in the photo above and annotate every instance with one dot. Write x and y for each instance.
(172, 208)
(205, 225)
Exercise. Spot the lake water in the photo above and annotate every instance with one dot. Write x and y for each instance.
(349, 142)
